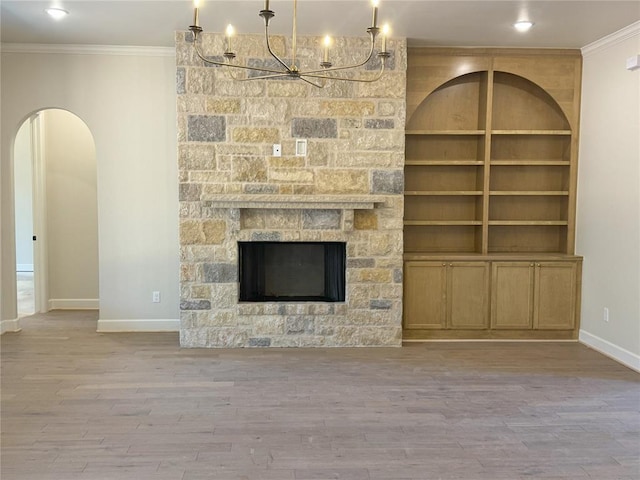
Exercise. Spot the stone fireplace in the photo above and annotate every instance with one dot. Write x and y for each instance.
(347, 190)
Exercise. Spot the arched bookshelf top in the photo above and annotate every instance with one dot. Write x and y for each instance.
(468, 103)
(458, 104)
(520, 104)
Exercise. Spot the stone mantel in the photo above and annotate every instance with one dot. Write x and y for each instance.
(305, 202)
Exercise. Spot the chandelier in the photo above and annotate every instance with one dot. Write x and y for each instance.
(284, 69)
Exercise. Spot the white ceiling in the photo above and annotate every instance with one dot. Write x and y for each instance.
(558, 24)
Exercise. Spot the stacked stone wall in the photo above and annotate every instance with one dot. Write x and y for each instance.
(355, 134)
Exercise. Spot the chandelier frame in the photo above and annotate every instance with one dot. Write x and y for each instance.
(317, 77)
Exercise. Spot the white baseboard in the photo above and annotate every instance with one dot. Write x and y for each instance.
(619, 354)
(140, 325)
(488, 340)
(24, 267)
(74, 304)
(10, 326)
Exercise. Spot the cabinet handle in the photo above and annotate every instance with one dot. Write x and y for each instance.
(532, 265)
(444, 264)
(538, 264)
(451, 264)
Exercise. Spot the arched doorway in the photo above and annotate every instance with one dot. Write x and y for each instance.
(57, 231)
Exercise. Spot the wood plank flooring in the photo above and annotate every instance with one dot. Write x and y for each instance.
(81, 405)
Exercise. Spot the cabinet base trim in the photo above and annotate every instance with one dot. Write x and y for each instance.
(619, 354)
(470, 335)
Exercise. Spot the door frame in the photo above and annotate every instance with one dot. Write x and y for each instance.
(40, 254)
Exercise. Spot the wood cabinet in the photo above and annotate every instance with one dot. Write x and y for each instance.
(447, 295)
(555, 296)
(452, 298)
(490, 177)
(512, 295)
(540, 295)
(425, 295)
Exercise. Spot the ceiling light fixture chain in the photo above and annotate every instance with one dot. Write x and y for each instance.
(326, 71)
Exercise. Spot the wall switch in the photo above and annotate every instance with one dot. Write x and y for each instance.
(633, 63)
(605, 315)
(156, 297)
(301, 147)
(277, 150)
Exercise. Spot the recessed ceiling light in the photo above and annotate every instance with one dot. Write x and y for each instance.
(57, 13)
(523, 26)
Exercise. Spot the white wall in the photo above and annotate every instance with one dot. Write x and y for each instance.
(128, 102)
(23, 184)
(72, 210)
(608, 228)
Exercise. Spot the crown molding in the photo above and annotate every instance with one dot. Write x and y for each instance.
(87, 49)
(610, 40)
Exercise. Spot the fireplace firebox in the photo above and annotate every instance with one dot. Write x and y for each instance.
(292, 271)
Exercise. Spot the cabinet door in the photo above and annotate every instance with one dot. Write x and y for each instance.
(512, 295)
(424, 295)
(555, 296)
(468, 295)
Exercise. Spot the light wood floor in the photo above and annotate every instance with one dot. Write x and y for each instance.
(26, 300)
(82, 405)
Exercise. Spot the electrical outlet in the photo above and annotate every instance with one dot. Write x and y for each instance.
(605, 315)
(156, 297)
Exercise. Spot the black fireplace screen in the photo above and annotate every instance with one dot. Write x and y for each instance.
(292, 271)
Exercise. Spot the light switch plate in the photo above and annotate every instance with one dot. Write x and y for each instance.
(301, 147)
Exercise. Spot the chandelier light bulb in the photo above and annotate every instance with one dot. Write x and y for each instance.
(325, 54)
(56, 13)
(374, 22)
(523, 25)
(228, 34)
(385, 33)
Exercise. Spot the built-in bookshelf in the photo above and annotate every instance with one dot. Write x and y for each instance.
(490, 167)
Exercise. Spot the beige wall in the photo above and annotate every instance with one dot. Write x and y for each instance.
(23, 174)
(71, 209)
(608, 233)
(128, 103)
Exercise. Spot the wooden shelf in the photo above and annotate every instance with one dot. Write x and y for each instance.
(489, 257)
(426, 163)
(533, 163)
(445, 132)
(530, 132)
(443, 222)
(520, 193)
(426, 193)
(528, 222)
